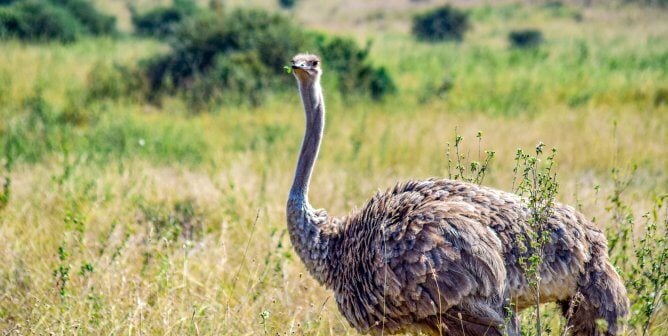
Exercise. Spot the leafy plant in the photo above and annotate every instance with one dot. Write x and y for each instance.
(526, 38)
(62, 272)
(72, 236)
(649, 274)
(60, 20)
(641, 259)
(162, 21)
(462, 167)
(238, 57)
(287, 4)
(538, 185)
(620, 230)
(202, 48)
(441, 24)
(354, 73)
(244, 75)
(38, 21)
(92, 20)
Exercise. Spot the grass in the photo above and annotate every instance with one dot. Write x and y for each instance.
(103, 193)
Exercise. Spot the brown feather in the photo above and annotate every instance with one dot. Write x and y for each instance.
(434, 248)
(443, 256)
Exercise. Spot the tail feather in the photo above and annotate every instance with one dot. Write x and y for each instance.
(603, 304)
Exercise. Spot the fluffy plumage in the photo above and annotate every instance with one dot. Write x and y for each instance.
(443, 256)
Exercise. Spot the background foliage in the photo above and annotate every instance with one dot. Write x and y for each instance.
(239, 56)
(61, 20)
(441, 24)
(161, 21)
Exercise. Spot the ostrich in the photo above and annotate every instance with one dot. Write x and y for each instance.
(442, 256)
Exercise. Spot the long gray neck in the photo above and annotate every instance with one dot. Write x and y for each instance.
(314, 108)
(310, 229)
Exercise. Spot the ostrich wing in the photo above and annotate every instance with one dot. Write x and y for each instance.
(443, 257)
(431, 253)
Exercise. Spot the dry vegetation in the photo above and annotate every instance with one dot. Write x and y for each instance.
(155, 220)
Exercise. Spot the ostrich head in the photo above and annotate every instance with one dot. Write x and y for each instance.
(306, 68)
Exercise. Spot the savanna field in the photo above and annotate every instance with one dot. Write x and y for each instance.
(143, 205)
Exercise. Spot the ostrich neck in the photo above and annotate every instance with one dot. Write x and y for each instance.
(314, 109)
(308, 227)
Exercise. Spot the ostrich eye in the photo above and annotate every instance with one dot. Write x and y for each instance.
(315, 63)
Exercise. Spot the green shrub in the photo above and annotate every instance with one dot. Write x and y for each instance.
(526, 38)
(161, 21)
(244, 75)
(661, 97)
(158, 22)
(441, 24)
(239, 53)
(93, 21)
(341, 54)
(238, 57)
(272, 36)
(380, 83)
(287, 4)
(351, 66)
(10, 22)
(60, 20)
(38, 20)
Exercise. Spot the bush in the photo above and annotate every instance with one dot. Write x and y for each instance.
(287, 4)
(161, 21)
(238, 57)
(527, 38)
(157, 22)
(60, 20)
(9, 22)
(38, 20)
(354, 73)
(243, 75)
(241, 52)
(441, 24)
(93, 21)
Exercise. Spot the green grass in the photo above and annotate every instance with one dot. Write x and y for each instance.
(103, 190)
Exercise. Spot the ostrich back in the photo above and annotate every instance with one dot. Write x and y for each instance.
(434, 249)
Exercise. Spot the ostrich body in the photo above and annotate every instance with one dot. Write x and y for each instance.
(443, 256)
